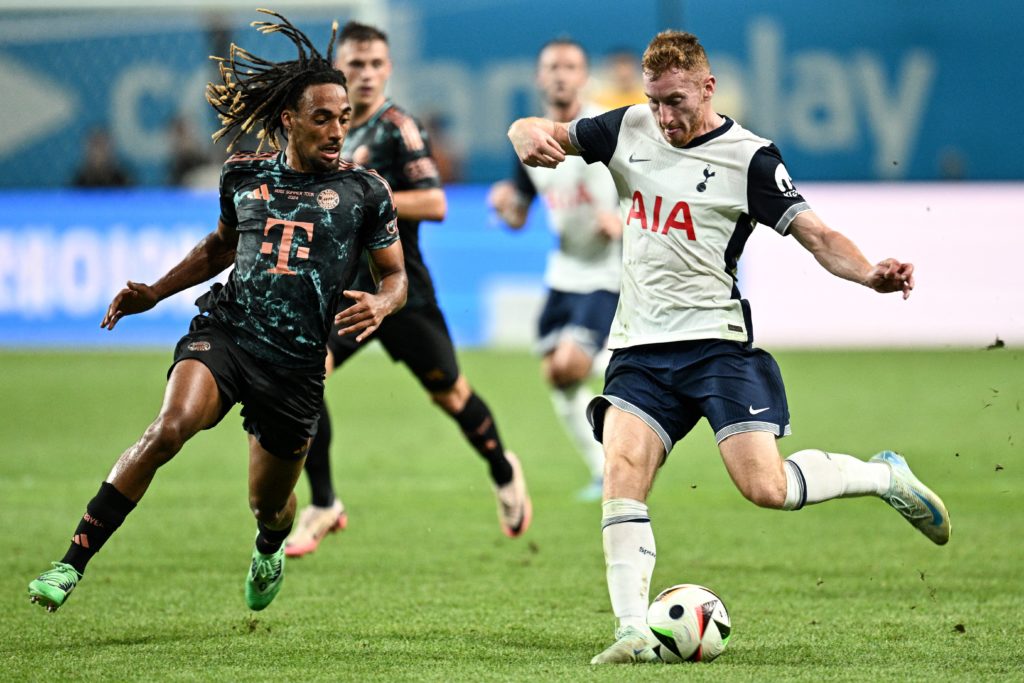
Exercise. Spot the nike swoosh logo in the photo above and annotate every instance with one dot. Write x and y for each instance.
(634, 160)
(936, 516)
(639, 652)
(759, 410)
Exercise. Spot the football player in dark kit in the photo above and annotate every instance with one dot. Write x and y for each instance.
(294, 224)
(387, 139)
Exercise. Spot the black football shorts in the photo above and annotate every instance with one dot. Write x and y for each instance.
(280, 406)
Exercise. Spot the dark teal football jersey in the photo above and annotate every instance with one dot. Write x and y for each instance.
(396, 146)
(301, 238)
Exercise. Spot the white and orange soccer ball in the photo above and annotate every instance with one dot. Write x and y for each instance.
(690, 623)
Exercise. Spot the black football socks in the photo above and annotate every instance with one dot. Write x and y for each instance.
(478, 425)
(103, 515)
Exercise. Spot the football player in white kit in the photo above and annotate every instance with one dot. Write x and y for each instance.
(692, 185)
(584, 272)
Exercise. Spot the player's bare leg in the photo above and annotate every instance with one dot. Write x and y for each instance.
(812, 476)
(633, 453)
(474, 417)
(566, 369)
(191, 402)
(272, 499)
(752, 460)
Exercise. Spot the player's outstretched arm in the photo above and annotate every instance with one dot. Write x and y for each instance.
(365, 315)
(425, 204)
(541, 142)
(211, 255)
(509, 203)
(841, 257)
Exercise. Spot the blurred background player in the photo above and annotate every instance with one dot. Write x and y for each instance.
(583, 274)
(100, 165)
(259, 340)
(697, 184)
(619, 82)
(391, 142)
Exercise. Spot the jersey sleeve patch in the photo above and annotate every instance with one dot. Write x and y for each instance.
(381, 224)
(772, 198)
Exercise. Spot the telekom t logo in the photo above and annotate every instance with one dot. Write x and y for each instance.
(285, 248)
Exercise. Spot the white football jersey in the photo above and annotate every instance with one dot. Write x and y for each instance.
(687, 213)
(585, 260)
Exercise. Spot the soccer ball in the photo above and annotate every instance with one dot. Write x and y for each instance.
(690, 623)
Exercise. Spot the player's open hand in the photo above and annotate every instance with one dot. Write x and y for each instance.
(534, 145)
(892, 276)
(502, 196)
(136, 297)
(363, 316)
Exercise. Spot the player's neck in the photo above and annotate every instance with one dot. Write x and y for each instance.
(362, 114)
(563, 113)
(711, 121)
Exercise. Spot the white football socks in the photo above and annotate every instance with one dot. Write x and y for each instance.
(571, 407)
(813, 476)
(629, 556)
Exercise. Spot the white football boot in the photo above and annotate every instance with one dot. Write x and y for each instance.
(515, 511)
(313, 525)
(631, 646)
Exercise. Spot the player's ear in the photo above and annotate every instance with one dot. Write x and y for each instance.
(287, 119)
(709, 87)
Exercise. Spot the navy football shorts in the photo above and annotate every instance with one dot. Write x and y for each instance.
(280, 406)
(670, 386)
(417, 336)
(585, 318)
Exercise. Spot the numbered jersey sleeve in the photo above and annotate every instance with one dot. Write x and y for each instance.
(380, 222)
(596, 138)
(772, 199)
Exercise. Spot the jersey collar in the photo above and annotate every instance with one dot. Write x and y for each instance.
(711, 135)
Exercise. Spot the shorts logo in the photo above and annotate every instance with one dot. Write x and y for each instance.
(199, 346)
(328, 199)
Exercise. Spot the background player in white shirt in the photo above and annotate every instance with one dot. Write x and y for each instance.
(583, 273)
(692, 185)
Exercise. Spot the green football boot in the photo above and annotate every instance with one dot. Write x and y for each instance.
(264, 579)
(53, 586)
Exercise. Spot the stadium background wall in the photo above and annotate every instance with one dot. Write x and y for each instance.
(64, 254)
(907, 90)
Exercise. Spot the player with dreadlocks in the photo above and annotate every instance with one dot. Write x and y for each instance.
(294, 224)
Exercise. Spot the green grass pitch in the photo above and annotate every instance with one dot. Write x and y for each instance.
(423, 586)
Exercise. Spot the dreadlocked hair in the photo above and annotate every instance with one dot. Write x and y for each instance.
(255, 91)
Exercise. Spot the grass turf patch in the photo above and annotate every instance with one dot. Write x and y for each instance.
(423, 586)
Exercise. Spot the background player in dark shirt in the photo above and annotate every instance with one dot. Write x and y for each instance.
(294, 224)
(387, 139)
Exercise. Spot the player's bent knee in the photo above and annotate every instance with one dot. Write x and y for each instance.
(453, 399)
(765, 494)
(564, 375)
(266, 511)
(622, 463)
(165, 437)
